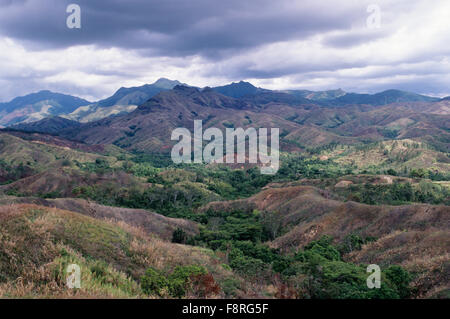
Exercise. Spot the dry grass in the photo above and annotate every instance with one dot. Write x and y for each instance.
(37, 243)
(150, 222)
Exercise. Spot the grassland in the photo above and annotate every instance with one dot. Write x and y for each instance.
(129, 219)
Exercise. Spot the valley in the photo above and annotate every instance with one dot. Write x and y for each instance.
(363, 179)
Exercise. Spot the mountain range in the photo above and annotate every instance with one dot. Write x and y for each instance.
(301, 126)
(36, 106)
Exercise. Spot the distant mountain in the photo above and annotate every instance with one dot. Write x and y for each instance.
(148, 127)
(52, 125)
(382, 98)
(250, 93)
(37, 106)
(317, 95)
(305, 118)
(302, 125)
(238, 90)
(125, 100)
(95, 112)
(138, 95)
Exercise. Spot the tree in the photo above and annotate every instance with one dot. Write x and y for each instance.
(400, 278)
(271, 222)
(179, 236)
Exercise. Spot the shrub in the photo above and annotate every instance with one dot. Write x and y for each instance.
(204, 286)
(153, 282)
(391, 172)
(66, 163)
(179, 236)
(177, 283)
(400, 278)
(245, 265)
(182, 277)
(324, 248)
(230, 287)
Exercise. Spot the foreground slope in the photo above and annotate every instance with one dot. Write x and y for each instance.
(414, 236)
(38, 243)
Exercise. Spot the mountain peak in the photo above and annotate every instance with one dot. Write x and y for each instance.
(237, 89)
(165, 83)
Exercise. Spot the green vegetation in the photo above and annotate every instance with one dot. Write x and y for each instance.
(191, 279)
(317, 271)
(235, 243)
(399, 193)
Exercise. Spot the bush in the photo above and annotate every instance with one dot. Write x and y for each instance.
(153, 282)
(324, 248)
(179, 236)
(204, 286)
(400, 278)
(391, 172)
(230, 287)
(245, 265)
(66, 163)
(182, 277)
(177, 283)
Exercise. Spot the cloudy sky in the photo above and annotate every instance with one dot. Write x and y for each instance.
(303, 44)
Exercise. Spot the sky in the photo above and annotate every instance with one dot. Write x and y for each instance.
(357, 45)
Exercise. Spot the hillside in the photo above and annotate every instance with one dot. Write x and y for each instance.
(50, 125)
(151, 223)
(396, 155)
(64, 182)
(38, 243)
(414, 236)
(36, 106)
(41, 152)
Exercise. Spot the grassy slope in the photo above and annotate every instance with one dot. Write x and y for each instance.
(150, 222)
(37, 243)
(63, 181)
(15, 150)
(396, 154)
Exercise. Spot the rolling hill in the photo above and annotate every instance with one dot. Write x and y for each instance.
(415, 236)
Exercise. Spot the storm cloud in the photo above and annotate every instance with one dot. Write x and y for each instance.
(280, 44)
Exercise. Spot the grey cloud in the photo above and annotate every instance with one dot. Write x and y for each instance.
(354, 38)
(223, 40)
(171, 27)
